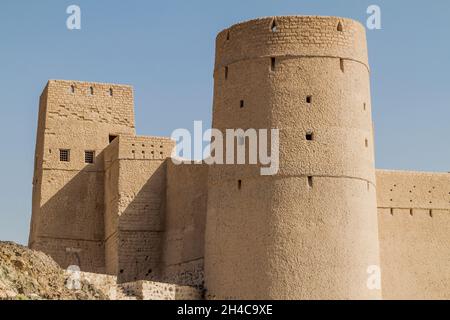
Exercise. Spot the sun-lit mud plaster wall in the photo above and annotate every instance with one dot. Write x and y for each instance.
(310, 231)
(136, 206)
(67, 220)
(414, 224)
(185, 223)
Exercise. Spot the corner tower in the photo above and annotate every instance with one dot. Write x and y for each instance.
(310, 231)
(77, 121)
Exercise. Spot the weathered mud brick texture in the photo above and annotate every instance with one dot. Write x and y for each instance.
(114, 203)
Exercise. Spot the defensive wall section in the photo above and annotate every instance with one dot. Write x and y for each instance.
(114, 203)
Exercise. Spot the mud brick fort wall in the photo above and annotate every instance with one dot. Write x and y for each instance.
(114, 203)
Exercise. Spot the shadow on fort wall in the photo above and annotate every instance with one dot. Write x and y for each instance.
(141, 228)
(70, 225)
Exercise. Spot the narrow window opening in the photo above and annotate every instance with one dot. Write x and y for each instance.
(310, 182)
(309, 99)
(91, 91)
(367, 143)
(239, 184)
(112, 138)
(411, 212)
(111, 93)
(242, 104)
(226, 73)
(309, 136)
(340, 27)
(392, 211)
(273, 26)
(431, 213)
(342, 66)
(89, 157)
(273, 63)
(365, 106)
(72, 89)
(228, 35)
(64, 155)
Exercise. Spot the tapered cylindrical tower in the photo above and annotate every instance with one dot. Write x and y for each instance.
(310, 230)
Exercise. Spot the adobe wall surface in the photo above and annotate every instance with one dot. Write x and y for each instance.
(149, 290)
(185, 223)
(136, 206)
(308, 232)
(414, 224)
(68, 196)
(267, 236)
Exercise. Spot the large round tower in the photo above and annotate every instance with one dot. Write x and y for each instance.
(309, 231)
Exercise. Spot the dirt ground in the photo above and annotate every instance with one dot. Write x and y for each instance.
(27, 274)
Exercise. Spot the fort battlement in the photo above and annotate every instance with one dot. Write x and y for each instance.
(114, 203)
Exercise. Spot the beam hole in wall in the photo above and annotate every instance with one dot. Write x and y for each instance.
(239, 184)
(340, 27)
(273, 26)
(273, 63)
(309, 99)
(309, 136)
(241, 104)
(112, 138)
(64, 155)
(310, 182)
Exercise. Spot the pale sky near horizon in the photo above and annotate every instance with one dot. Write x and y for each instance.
(165, 49)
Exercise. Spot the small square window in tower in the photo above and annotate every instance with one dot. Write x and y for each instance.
(89, 157)
(309, 136)
(64, 155)
(112, 138)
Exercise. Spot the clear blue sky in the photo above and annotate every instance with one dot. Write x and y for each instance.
(166, 50)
